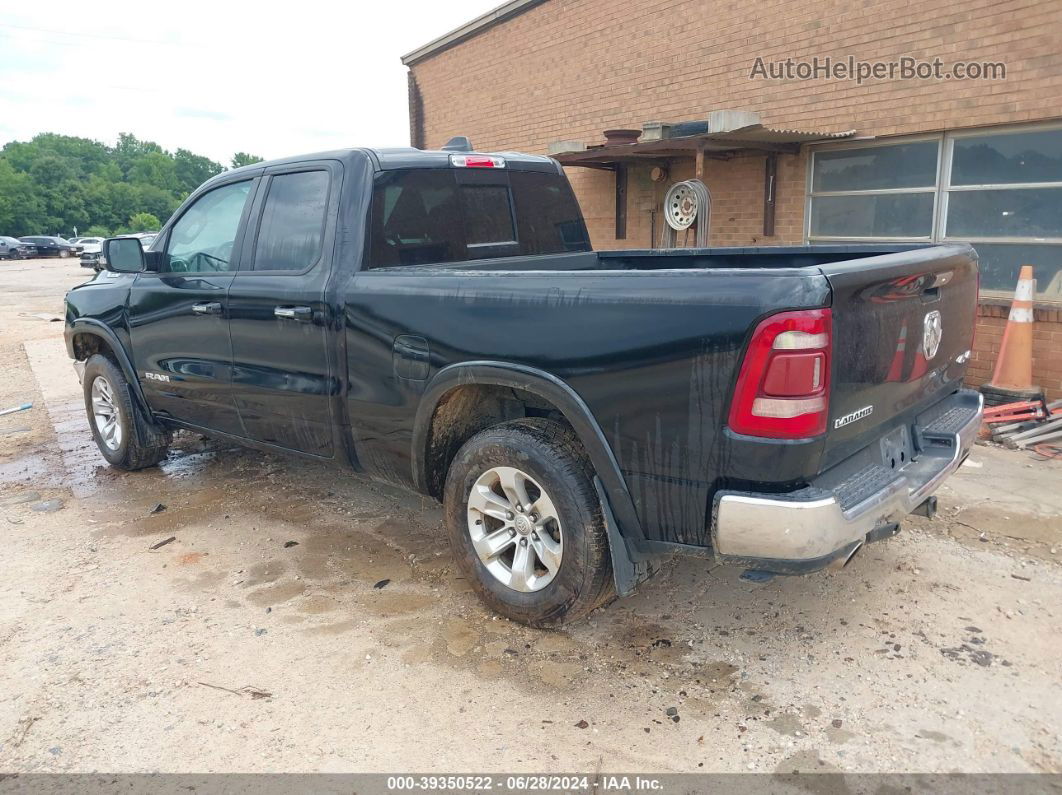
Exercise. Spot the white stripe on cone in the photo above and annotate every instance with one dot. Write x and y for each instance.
(1020, 314)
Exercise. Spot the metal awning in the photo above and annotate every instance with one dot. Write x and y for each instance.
(754, 137)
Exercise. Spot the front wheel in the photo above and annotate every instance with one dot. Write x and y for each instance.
(525, 523)
(126, 438)
(63, 253)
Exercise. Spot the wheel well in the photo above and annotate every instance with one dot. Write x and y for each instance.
(87, 345)
(466, 410)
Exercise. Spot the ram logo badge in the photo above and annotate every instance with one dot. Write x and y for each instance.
(855, 416)
(157, 377)
(932, 332)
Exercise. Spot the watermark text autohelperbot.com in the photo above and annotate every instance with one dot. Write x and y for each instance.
(851, 68)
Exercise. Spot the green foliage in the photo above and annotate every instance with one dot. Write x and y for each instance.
(53, 183)
(144, 222)
(244, 159)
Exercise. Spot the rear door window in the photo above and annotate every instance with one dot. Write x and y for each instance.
(291, 233)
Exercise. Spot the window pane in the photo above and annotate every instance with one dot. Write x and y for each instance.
(203, 238)
(1000, 263)
(292, 228)
(488, 215)
(416, 219)
(882, 215)
(1032, 212)
(911, 165)
(547, 215)
(999, 159)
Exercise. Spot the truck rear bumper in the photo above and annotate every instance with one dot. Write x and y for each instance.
(829, 520)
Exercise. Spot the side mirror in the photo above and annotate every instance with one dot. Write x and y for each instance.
(123, 255)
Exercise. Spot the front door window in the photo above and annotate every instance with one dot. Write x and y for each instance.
(204, 237)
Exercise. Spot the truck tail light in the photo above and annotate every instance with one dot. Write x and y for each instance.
(783, 387)
(476, 161)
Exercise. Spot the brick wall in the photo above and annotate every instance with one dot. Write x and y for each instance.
(1047, 345)
(568, 69)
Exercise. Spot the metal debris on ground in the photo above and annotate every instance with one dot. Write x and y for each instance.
(381, 584)
(159, 508)
(247, 690)
(1025, 424)
(14, 409)
(163, 543)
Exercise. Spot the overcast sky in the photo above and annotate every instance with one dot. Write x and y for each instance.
(272, 79)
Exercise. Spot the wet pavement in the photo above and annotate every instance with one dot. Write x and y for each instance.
(304, 618)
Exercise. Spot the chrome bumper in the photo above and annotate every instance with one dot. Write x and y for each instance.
(815, 526)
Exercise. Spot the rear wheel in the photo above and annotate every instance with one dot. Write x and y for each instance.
(525, 523)
(126, 438)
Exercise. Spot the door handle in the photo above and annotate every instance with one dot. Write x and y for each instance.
(209, 308)
(303, 314)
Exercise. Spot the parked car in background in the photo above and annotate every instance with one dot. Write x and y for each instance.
(91, 251)
(146, 239)
(49, 246)
(13, 248)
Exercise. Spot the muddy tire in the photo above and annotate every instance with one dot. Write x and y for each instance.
(126, 438)
(525, 523)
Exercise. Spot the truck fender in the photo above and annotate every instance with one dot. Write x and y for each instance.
(626, 540)
(98, 329)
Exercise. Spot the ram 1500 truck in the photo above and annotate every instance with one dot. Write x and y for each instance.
(438, 319)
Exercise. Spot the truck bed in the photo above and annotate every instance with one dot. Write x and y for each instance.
(652, 342)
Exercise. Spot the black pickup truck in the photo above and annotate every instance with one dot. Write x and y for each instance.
(438, 319)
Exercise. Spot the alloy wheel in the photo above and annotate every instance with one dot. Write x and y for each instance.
(106, 414)
(515, 529)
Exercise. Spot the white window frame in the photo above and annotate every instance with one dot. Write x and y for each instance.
(941, 189)
(811, 194)
(946, 188)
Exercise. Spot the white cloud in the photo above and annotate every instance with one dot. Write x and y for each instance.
(274, 79)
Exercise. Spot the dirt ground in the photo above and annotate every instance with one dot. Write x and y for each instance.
(306, 619)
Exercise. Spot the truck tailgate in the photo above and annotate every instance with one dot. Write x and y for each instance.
(902, 334)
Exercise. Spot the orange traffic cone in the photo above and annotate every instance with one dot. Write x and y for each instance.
(1012, 378)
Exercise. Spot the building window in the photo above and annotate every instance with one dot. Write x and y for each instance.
(881, 192)
(999, 190)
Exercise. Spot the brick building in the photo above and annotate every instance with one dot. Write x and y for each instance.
(822, 158)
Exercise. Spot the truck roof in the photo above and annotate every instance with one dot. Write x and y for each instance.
(408, 157)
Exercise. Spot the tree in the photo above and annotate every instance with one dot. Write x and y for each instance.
(243, 159)
(193, 170)
(53, 183)
(155, 168)
(144, 222)
(20, 206)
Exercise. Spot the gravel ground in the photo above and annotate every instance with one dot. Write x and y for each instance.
(303, 618)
